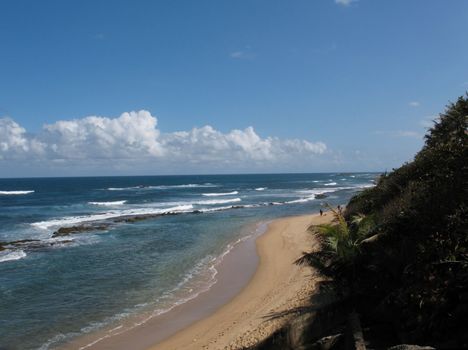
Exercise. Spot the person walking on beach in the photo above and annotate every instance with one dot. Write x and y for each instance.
(321, 212)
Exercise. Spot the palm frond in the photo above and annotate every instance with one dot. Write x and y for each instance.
(320, 260)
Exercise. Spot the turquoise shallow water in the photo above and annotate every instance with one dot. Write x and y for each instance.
(55, 288)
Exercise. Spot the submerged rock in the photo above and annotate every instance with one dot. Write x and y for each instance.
(5, 245)
(65, 231)
(30, 244)
(321, 196)
(135, 218)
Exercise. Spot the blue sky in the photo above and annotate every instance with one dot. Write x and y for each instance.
(326, 85)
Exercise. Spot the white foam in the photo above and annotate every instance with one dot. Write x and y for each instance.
(108, 203)
(209, 210)
(328, 190)
(331, 184)
(220, 194)
(318, 191)
(195, 202)
(366, 186)
(9, 193)
(208, 264)
(12, 255)
(71, 220)
(218, 201)
(160, 187)
(120, 188)
(301, 200)
(186, 186)
(261, 188)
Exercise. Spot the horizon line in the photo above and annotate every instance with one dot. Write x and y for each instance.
(200, 174)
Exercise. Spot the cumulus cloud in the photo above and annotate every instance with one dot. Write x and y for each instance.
(14, 142)
(135, 137)
(208, 144)
(132, 134)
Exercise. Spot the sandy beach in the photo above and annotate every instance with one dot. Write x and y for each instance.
(276, 286)
(256, 280)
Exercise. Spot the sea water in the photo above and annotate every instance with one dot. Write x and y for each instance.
(151, 243)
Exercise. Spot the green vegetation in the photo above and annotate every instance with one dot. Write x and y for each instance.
(340, 246)
(400, 250)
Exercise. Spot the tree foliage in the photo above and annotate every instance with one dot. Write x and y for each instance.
(410, 231)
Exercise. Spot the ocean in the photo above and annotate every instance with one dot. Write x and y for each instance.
(81, 254)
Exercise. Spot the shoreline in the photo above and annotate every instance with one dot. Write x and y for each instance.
(256, 279)
(227, 283)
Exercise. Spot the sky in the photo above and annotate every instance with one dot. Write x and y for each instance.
(223, 86)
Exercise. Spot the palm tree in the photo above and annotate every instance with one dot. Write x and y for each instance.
(340, 244)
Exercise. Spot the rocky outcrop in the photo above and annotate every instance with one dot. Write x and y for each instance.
(66, 231)
(30, 244)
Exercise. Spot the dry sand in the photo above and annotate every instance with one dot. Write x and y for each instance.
(255, 281)
(277, 285)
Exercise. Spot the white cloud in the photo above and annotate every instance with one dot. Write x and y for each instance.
(14, 142)
(133, 138)
(131, 135)
(414, 104)
(344, 2)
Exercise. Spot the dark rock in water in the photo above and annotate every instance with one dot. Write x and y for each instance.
(3, 245)
(65, 231)
(41, 244)
(21, 241)
(30, 244)
(62, 242)
(321, 196)
(134, 219)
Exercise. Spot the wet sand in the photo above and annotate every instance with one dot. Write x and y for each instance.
(256, 280)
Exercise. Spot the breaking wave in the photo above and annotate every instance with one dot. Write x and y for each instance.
(9, 255)
(72, 220)
(217, 201)
(108, 203)
(10, 193)
(160, 187)
(220, 194)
